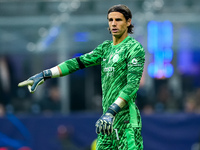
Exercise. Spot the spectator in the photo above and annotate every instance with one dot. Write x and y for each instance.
(53, 102)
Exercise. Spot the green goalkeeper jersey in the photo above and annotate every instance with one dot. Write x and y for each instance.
(121, 70)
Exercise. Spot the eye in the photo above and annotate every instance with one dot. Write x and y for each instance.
(110, 19)
(118, 19)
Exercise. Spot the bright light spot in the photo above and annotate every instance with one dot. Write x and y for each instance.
(160, 40)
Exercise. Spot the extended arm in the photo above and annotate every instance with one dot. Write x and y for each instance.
(62, 69)
(65, 68)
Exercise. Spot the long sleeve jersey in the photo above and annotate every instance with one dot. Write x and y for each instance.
(121, 70)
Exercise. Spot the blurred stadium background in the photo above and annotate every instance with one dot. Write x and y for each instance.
(61, 114)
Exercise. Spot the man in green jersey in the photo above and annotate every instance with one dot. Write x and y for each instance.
(122, 62)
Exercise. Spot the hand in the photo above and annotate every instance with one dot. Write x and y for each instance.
(105, 124)
(36, 80)
(33, 82)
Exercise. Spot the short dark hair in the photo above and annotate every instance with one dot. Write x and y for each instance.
(125, 11)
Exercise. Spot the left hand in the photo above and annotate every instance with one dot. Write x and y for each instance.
(105, 124)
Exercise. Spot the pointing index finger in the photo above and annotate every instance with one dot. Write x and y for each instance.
(24, 83)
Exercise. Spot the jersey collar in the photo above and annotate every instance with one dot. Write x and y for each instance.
(115, 46)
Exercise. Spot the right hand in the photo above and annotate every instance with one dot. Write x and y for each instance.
(33, 82)
(36, 80)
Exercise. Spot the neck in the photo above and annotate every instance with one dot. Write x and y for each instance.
(117, 40)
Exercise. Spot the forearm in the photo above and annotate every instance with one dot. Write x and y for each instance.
(67, 67)
(120, 102)
(128, 92)
(117, 106)
(56, 72)
(133, 81)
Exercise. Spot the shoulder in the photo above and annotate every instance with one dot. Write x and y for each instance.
(103, 46)
(106, 43)
(134, 43)
(135, 47)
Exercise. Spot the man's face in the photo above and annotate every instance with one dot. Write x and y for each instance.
(118, 24)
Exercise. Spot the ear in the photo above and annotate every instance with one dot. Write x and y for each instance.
(128, 22)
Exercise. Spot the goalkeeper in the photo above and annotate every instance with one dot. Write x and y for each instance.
(122, 62)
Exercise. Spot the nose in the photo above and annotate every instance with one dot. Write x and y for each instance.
(113, 23)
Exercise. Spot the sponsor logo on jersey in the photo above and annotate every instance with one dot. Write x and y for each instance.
(134, 61)
(109, 71)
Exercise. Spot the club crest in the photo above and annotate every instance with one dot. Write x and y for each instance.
(116, 58)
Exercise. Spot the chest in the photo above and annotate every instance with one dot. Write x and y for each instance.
(113, 61)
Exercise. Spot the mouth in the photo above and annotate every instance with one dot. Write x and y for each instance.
(114, 30)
